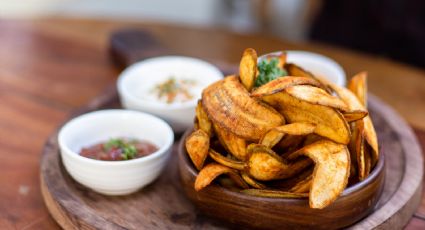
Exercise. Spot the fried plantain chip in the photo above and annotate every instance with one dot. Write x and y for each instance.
(295, 70)
(354, 104)
(264, 164)
(248, 68)
(315, 95)
(359, 143)
(229, 105)
(330, 122)
(280, 84)
(253, 183)
(197, 145)
(273, 193)
(354, 115)
(273, 136)
(232, 143)
(212, 171)
(204, 122)
(358, 85)
(303, 186)
(238, 165)
(331, 171)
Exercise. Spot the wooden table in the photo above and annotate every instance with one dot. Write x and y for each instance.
(49, 67)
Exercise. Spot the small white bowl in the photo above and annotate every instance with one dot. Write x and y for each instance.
(142, 77)
(114, 177)
(317, 64)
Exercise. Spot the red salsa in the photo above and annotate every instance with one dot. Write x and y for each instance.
(119, 149)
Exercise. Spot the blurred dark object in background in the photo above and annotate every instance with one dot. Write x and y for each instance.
(393, 28)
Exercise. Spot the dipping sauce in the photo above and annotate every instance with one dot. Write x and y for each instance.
(174, 90)
(119, 149)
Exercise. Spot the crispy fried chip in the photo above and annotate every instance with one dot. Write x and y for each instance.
(197, 145)
(238, 165)
(358, 85)
(315, 95)
(204, 122)
(354, 115)
(295, 70)
(264, 164)
(229, 105)
(273, 193)
(331, 171)
(303, 186)
(354, 104)
(330, 122)
(232, 143)
(280, 84)
(248, 68)
(273, 136)
(212, 171)
(253, 183)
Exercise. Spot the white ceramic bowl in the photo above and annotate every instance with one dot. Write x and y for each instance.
(142, 77)
(317, 64)
(114, 177)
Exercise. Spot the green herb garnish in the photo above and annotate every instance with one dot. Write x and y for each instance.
(268, 71)
(128, 150)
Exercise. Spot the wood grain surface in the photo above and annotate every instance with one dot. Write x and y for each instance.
(163, 204)
(49, 67)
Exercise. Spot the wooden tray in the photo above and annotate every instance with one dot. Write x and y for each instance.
(163, 204)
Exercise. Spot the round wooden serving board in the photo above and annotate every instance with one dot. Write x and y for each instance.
(163, 205)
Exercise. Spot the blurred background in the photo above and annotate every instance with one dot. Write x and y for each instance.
(391, 28)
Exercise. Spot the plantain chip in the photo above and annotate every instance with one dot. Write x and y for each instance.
(265, 165)
(273, 193)
(212, 171)
(358, 85)
(230, 106)
(331, 171)
(248, 68)
(303, 186)
(273, 136)
(232, 143)
(295, 70)
(315, 95)
(280, 84)
(354, 115)
(253, 183)
(197, 145)
(238, 165)
(359, 143)
(354, 104)
(204, 122)
(330, 122)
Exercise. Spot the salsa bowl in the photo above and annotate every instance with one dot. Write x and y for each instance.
(356, 202)
(114, 177)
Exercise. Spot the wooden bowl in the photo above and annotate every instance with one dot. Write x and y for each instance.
(243, 210)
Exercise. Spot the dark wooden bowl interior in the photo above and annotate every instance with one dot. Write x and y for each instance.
(356, 202)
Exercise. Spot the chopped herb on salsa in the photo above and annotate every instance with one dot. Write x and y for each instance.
(268, 71)
(117, 149)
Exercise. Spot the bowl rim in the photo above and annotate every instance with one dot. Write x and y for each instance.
(342, 81)
(379, 168)
(162, 150)
(124, 75)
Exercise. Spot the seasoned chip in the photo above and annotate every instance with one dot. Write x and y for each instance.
(355, 115)
(273, 136)
(315, 95)
(280, 84)
(330, 122)
(264, 164)
(358, 85)
(238, 165)
(331, 171)
(229, 105)
(253, 183)
(273, 193)
(212, 171)
(232, 143)
(197, 145)
(248, 68)
(204, 122)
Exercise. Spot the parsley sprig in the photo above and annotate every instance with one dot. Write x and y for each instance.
(128, 150)
(268, 71)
